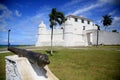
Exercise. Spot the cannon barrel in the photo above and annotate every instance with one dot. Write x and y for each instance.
(40, 59)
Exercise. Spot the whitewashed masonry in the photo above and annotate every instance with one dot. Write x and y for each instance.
(76, 31)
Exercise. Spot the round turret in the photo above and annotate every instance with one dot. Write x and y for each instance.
(42, 28)
(42, 25)
(42, 31)
(68, 26)
(68, 34)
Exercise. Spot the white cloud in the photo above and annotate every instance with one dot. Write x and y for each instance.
(71, 3)
(17, 13)
(99, 3)
(113, 12)
(116, 21)
(42, 15)
(84, 9)
(38, 18)
(3, 40)
(5, 14)
(87, 8)
(116, 2)
(107, 1)
(3, 24)
(27, 27)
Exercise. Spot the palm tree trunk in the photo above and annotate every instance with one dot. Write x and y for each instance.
(105, 28)
(63, 31)
(51, 52)
(97, 36)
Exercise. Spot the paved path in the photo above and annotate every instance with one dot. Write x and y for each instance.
(9, 51)
(46, 48)
(4, 51)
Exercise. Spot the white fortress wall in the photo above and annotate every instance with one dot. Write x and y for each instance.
(79, 40)
(77, 31)
(58, 37)
(106, 38)
(68, 34)
(72, 34)
(109, 38)
(44, 38)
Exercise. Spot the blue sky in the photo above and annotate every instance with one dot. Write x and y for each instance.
(24, 16)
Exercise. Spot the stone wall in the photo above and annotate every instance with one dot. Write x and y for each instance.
(106, 38)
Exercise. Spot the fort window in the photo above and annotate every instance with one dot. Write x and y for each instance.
(88, 22)
(76, 19)
(83, 27)
(61, 28)
(82, 21)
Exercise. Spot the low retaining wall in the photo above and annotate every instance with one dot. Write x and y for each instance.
(19, 68)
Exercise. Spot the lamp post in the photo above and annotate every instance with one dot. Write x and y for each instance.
(9, 37)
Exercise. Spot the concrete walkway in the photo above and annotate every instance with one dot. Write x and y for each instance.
(9, 51)
(4, 51)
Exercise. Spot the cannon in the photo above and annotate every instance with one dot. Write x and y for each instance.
(38, 58)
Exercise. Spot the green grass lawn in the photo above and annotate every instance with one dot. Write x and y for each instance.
(2, 65)
(86, 65)
(94, 63)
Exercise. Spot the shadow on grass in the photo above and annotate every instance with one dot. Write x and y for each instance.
(49, 52)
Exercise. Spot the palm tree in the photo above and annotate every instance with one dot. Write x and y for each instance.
(98, 28)
(55, 18)
(107, 20)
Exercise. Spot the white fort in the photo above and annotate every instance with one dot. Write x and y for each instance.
(76, 31)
